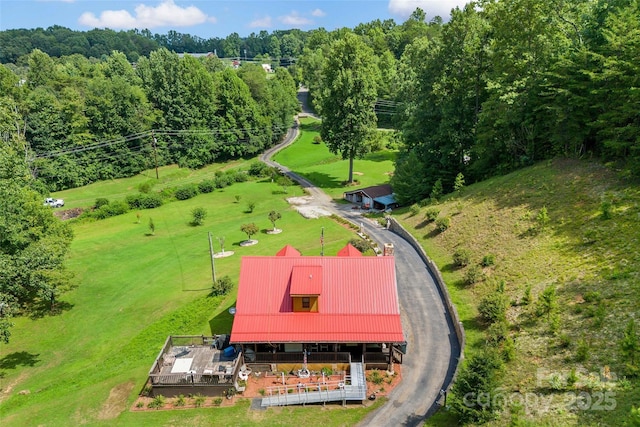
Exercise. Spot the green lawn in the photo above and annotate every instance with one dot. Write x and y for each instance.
(86, 364)
(329, 171)
(119, 188)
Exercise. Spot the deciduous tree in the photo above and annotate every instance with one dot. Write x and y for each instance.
(348, 98)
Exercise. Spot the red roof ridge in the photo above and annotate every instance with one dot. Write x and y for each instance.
(288, 250)
(350, 251)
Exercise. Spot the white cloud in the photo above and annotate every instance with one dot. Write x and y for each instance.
(167, 13)
(442, 8)
(294, 19)
(264, 22)
(318, 13)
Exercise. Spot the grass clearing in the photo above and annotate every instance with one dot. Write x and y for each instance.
(328, 171)
(135, 289)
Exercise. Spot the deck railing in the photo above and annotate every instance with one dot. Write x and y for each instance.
(297, 357)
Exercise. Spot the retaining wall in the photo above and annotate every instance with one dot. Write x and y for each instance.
(395, 226)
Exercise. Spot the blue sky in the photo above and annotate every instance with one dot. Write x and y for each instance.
(211, 18)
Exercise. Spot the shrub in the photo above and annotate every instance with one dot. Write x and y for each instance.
(152, 226)
(250, 207)
(238, 176)
(360, 244)
(547, 301)
(217, 401)
(473, 275)
(180, 401)
(222, 286)
(431, 214)
(493, 308)
(554, 324)
(199, 215)
(186, 192)
(100, 202)
(258, 169)
(508, 352)
(436, 190)
(317, 139)
(592, 296)
(144, 201)
(543, 217)
(375, 377)
(262, 392)
(414, 210)
(497, 333)
(479, 375)
(146, 186)
(583, 351)
(112, 209)
(157, 402)
(605, 209)
(565, 341)
(572, 378)
(198, 400)
(488, 260)
(458, 184)
(461, 257)
(526, 298)
(207, 186)
(222, 181)
(443, 223)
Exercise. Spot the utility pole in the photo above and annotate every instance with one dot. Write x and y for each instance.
(322, 242)
(213, 266)
(155, 154)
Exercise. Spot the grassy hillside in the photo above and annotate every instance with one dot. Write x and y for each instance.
(85, 364)
(586, 248)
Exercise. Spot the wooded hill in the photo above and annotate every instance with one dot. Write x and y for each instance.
(85, 121)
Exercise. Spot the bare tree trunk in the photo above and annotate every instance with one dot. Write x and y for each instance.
(350, 169)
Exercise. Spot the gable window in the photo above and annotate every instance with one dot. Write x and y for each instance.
(306, 302)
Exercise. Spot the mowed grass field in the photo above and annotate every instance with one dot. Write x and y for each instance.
(86, 364)
(328, 171)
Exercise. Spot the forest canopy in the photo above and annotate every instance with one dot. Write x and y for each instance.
(500, 85)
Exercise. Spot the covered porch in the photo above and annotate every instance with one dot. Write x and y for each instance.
(373, 355)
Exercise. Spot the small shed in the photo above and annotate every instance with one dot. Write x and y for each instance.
(375, 197)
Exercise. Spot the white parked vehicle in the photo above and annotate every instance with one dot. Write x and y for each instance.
(55, 203)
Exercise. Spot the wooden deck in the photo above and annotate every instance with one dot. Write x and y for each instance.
(204, 360)
(353, 388)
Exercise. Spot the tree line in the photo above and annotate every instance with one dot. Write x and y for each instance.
(57, 41)
(501, 85)
(87, 120)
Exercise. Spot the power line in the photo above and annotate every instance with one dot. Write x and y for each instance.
(161, 132)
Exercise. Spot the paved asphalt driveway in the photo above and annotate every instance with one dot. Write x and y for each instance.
(432, 347)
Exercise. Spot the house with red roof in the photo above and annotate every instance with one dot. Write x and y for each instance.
(323, 309)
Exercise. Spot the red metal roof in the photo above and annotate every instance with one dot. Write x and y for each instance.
(349, 250)
(358, 300)
(306, 280)
(288, 251)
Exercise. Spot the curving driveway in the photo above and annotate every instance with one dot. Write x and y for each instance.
(432, 347)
